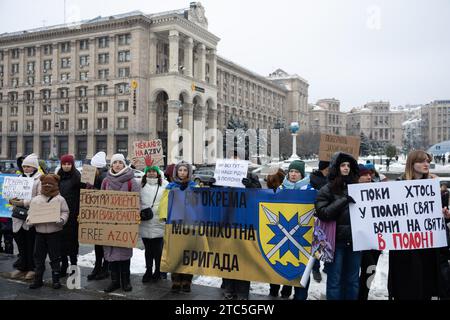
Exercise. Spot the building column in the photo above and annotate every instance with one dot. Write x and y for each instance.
(188, 57)
(56, 62)
(188, 136)
(213, 68)
(152, 116)
(153, 41)
(6, 71)
(201, 62)
(173, 107)
(37, 66)
(37, 123)
(174, 39)
(199, 132)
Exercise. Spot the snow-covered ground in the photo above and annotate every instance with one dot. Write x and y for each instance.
(316, 290)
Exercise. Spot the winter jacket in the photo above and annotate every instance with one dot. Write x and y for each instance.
(69, 188)
(64, 214)
(332, 206)
(152, 228)
(103, 172)
(317, 180)
(415, 274)
(119, 183)
(18, 223)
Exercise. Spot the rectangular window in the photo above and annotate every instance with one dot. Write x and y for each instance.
(63, 93)
(48, 49)
(103, 42)
(47, 125)
(124, 72)
(102, 90)
(65, 47)
(103, 58)
(65, 63)
(30, 66)
(47, 65)
(46, 109)
(103, 73)
(84, 44)
(122, 123)
(30, 126)
(47, 79)
(31, 52)
(124, 39)
(82, 92)
(102, 107)
(15, 53)
(84, 75)
(14, 68)
(64, 125)
(13, 111)
(15, 82)
(64, 108)
(30, 81)
(13, 126)
(83, 108)
(123, 88)
(82, 124)
(102, 123)
(122, 106)
(84, 61)
(65, 77)
(124, 56)
(30, 110)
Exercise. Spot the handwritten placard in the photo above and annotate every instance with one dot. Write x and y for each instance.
(17, 187)
(44, 212)
(330, 144)
(229, 173)
(399, 215)
(109, 218)
(88, 174)
(143, 149)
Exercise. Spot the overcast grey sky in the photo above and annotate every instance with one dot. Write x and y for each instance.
(353, 50)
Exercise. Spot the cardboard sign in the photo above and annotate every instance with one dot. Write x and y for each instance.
(17, 187)
(109, 218)
(330, 144)
(143, 149)
(44, 212)
(399, 215)
(229, 173)
(5, 207)
(88, 174)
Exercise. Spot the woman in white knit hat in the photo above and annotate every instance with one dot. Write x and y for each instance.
(24, 235)
(120, 178)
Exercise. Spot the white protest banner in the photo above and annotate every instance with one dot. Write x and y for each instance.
(88, 174)
(229, 173)
(399, 215)
(17, 187)
(44, 212)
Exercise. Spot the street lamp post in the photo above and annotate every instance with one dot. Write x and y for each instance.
(294, 128)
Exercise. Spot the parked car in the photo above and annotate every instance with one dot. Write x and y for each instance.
(203, 175)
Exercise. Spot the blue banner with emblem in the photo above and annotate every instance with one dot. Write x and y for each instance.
(245, 234)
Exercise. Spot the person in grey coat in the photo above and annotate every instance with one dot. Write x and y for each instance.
(120, 178)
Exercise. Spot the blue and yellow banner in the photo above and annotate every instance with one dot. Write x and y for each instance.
(5, 211)
(245, 234)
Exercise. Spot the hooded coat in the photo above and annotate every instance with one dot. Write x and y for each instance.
(119, 182)
(333, 206)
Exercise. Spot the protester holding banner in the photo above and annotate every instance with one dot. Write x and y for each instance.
(415, 274)
(48, 235)
(369, 258)
(24, 235)
(182, 175)
(152, 230)
(101, 267)
(69, 187)
(332, 204)
(120, 178)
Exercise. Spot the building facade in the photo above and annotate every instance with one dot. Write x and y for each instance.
(436, 122)
(326, 117)
(104, 83)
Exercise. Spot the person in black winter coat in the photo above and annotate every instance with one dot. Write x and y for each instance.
(416, 274)
(69, 188)
(319, 178)
(332, 204)
(101, 267)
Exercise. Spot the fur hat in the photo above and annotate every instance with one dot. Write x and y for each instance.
(99, 160)
(31, 161)
(50, 185)
(275, 180)
(182, 164)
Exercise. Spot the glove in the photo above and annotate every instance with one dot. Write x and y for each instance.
(60, 223)
(16, 202)
(350, 199)
(246, 182)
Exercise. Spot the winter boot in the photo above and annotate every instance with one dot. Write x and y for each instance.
(147, 276)
(64, 266)
(176, 282)
(37, 282)
(125, 279)
(95, 271)
(104, 272)
(186, 285)
(55, 280)
(9, 248)
(115, 278)
(286, 292)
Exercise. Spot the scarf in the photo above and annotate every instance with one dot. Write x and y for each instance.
(119, 181)
(295, 185)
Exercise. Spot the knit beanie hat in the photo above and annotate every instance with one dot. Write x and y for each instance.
(363, 170)
(99, 160)
(31, 161)
(323, 165)
(299, 166)
(118, 157)
(154, 168)
(67, 158)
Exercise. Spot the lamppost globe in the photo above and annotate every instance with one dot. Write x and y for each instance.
(294, 127)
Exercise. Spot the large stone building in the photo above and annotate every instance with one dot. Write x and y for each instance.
(104, 83)
(377, 121)
(436, 122)
(326, 117)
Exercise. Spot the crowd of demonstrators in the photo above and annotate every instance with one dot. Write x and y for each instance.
(152, 228)
(120, 177)
(101, 266)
